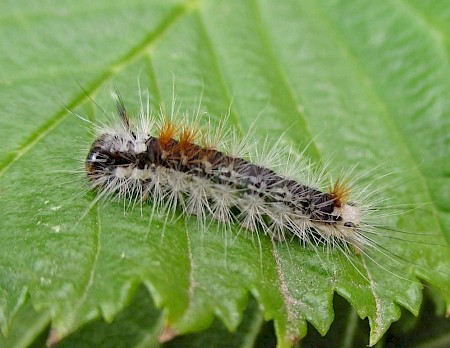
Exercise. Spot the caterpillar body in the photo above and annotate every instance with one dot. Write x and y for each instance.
(175, 165)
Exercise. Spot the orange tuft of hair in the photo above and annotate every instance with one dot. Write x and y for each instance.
(340, 192)
(167, 133)
(187, 137)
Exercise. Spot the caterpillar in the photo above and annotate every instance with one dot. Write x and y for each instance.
(176, 165)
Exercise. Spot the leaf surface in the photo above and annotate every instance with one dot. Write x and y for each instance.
(364, 83)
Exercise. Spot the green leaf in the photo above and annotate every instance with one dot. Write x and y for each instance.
(364, 83)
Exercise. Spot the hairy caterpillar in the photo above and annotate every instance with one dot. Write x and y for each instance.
(177, 166)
